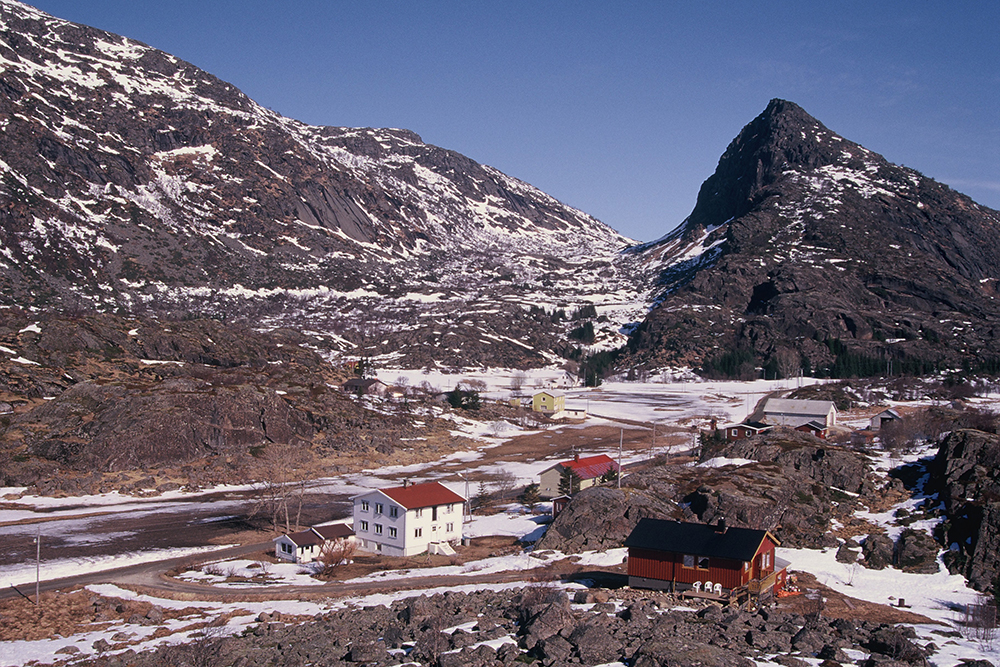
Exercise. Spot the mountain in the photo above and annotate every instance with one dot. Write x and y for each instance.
(805, 249)
(134, 182)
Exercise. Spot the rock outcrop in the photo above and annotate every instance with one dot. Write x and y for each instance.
(966, 473)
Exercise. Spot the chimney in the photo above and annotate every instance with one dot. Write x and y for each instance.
(406, 483)
(576, 456)
(720, 527)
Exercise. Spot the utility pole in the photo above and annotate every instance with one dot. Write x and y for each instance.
(621, 439)
(38, 563)
(468, 501)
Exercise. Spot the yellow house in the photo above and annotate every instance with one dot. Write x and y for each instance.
(548, 402)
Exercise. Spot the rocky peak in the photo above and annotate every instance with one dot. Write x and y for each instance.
(801, 237)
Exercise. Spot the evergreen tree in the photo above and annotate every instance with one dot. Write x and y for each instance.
(531, 497)
(569, 482)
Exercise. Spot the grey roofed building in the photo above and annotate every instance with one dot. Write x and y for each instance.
(792, 412)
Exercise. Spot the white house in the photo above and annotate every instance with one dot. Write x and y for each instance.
(790, 412)
(305, 546)
(409, 519)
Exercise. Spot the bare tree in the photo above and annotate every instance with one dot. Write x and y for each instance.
(517, 381)
(788, 362)
(280, 487)
(505, 482)
(334, 554)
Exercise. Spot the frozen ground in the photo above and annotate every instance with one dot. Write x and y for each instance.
(935, 596)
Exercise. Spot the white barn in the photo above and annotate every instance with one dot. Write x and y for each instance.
(409, 519)
(791, 412)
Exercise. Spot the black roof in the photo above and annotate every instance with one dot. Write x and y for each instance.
(698, 539)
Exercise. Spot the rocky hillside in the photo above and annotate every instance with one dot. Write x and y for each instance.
(133, 181)
(98, 402)
(809, 250)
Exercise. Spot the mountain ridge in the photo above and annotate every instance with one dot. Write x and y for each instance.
(802, 237)
(133, 181)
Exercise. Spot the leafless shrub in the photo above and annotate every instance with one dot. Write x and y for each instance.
(980, 621)
(336, 553)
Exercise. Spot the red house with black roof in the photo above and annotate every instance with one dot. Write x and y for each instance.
(696, 557)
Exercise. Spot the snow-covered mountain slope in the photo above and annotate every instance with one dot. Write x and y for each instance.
(806, 245)
(133, 180)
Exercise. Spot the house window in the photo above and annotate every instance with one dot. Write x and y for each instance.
(393, 512)
(364, 526)
(450, 528)
(689, 561)
(378, 508)
(392, 531)
(378, 546)
(736, 432)
(287, 548)
(746, 565)
(378, 529)
(765, 560)
(419, 512)
(703, 563)
(364, 505)
(451, 508)
(418, 532)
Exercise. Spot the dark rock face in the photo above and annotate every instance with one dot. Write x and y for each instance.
(916, 551)
(805, 236)
(600, 518)
(877, 551)
(966, 471)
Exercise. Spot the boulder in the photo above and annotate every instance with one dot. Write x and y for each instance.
(877, 551)
(916, 551)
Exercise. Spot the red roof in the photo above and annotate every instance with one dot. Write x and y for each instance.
(591, 466)
(423, 495)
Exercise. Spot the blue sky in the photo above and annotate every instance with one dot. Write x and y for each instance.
(620, 109)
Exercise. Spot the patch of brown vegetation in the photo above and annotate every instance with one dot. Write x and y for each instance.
(64, 613)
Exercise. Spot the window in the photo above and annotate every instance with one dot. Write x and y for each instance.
(765, 560)
(689, 561)
(393, 511)
(450, 528)
(418, 532)
(378, 546)
(364, 505)
(419, 512)
(434, 513)
(287, 548)
(378, 529)
(364, 526)
(392, 531)
(451, 508)
(736, 432)
(703, 563)
(746, 565)
(378, 508)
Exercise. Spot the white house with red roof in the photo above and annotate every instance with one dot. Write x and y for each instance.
(305, 546)
(589, 470)
(409, 519)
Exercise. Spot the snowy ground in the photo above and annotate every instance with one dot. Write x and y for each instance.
(674, 403)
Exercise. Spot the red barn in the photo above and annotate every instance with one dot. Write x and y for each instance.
(676, 556)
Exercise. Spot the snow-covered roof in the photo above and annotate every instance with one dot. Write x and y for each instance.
(788, 406)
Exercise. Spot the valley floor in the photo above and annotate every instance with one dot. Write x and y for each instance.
(109, 526)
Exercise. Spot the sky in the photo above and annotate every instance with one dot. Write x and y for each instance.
(621, 109)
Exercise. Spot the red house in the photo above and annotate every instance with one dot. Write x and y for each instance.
(695, 557)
